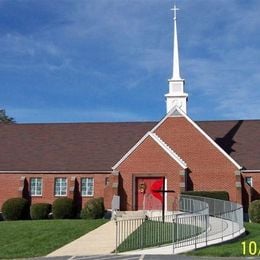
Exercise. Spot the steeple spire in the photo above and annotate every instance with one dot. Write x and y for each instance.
(176, 95)
(176, 65)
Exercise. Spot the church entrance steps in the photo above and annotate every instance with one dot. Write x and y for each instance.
(129, 214)
(143, 214)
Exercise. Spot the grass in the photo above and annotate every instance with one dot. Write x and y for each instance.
(235, 248)
(155, 233)
(20, 239)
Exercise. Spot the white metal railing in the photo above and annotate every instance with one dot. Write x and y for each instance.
(219, 221)
(200, 222)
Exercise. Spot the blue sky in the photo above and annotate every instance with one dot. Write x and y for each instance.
(109, 60)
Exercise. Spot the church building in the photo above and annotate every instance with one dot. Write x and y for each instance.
(134, 160)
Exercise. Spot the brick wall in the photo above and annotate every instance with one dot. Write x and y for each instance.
(251, 193)
(11, 185)
(209, 169)
(147, 160)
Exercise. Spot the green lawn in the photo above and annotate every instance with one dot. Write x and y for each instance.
(235, 248)
(155, 233)
(39, 237)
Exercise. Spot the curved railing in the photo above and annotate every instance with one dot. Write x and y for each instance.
(199, 222)
(219, 221)
(193, 205)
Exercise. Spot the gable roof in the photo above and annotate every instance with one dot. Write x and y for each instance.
(98, 146)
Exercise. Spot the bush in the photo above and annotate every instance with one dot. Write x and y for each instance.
(40, 210)
(93, 209)
(16, 209)
(221, 195)
(254, 211)
(63, 208)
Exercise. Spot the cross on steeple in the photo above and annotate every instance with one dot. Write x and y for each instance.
(175, 9)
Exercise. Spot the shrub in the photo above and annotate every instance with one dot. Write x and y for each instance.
(221, 195)
(16, 209)
(254, 211)
(40, 210)
(63, 208)
(93, 209)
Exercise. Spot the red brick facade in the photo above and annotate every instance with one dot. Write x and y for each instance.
(18, 185)
(208, 169)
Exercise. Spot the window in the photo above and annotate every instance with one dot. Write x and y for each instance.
(106, 181)
(36, 186)
(87, 186)
(249, 181)
(60, 187)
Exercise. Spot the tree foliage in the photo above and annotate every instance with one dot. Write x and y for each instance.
(4, 118)
(254, 211)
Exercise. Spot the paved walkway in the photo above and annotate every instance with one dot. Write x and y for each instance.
(99, 241)
(102, 241)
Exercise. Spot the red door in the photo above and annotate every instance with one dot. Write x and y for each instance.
(148, 196)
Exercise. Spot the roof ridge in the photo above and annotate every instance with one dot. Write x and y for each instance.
(78, 123)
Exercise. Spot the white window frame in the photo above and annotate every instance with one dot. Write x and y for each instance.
(60, 184)
(250, 183)
(38, 181)
(85, 192)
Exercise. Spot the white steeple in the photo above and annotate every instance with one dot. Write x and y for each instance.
(176, 95)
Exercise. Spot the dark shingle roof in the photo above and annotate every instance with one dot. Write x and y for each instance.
(98, 146)
(65, 147)
(239, 138)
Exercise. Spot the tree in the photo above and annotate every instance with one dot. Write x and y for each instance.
(4, 118)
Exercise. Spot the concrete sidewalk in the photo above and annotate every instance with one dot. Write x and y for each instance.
(101, 240)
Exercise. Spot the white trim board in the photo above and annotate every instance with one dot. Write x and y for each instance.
(140, 141)
(157, 140)
(130, 151)
(168, 150)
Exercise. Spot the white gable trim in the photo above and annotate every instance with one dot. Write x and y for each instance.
(207, 137)
(161, 143)
(140, 141)
(130, 151)
(168, 150)
(170, 113)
